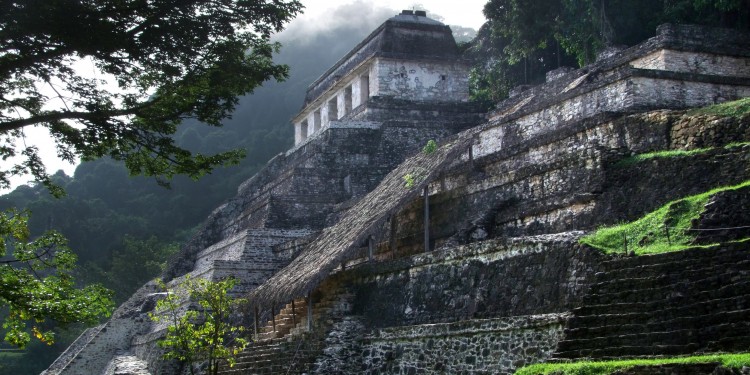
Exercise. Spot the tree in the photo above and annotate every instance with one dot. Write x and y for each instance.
(115, 78)
(36, 284)
(205, 334)
(529, 38)
(583, 27)
(165, 61)
(150, 255)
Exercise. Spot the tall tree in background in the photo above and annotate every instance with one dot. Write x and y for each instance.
(526, 34)
(114, 78)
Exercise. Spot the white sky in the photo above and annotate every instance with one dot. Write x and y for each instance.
(467, 13)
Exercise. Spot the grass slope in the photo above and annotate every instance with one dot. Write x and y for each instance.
(666, 229)
(607, 367)
(734, 108)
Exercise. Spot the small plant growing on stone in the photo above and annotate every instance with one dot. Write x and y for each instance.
(409, 180)
(204, 334)
(430, 147)
(414, 178)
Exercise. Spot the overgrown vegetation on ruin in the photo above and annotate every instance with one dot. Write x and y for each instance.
(608, 367)
(664, 230)
(734, 108)
(664, 154)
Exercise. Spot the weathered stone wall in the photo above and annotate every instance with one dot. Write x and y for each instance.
(481, 346)
(694, 62)
(697, 131)
(488, 279)
(477, 346)
(632, 191)
(568, 177)
(635, 91)
(429, 81)
(485, 308)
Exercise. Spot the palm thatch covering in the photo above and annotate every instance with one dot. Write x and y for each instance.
(338, 243)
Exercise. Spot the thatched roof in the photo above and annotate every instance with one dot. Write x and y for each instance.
(338, 243)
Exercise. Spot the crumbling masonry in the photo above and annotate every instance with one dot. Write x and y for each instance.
(465, 259)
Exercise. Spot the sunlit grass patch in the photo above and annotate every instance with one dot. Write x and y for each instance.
(607, 367)
(660, 154)
(663, 230)
(734, 108)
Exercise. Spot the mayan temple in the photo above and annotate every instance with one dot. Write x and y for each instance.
(410, 231)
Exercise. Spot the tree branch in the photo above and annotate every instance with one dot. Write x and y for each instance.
(68, 115)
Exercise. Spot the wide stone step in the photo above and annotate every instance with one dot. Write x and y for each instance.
(726, 284)
(634, 312)
(673, 337)
(737, 316)
(664, 280)
(282, 364)
(622, 352)
(729, 342)
(699, 278)
(274, 369)
(278, 352)
(725, 254)
(728, 336)
(253, 355)
(669, 262)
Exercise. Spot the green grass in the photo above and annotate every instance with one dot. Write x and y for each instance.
(648, 235)
(660, 154)
(735, 108)
(665, 154)
(607, 367)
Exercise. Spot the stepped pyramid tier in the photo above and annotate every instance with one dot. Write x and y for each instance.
(361, 253)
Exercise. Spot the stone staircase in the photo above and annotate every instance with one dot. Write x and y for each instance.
(276, 356)
(292, 316)
(291, 348)
(694, 301)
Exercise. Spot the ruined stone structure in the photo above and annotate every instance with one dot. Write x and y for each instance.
(409, 57)
(367, 255)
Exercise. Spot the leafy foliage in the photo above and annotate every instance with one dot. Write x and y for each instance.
(525, 39)
(430, 147)
(169, 61)
(103, 203)
(150, 256)
(205, 334)
(583, 27)
(37, 283)
(499, 67)
(409, 180)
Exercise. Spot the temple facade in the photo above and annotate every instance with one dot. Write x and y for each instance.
(410, 57)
